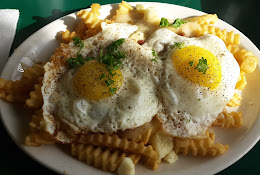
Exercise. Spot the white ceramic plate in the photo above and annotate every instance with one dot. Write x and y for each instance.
(41, 45)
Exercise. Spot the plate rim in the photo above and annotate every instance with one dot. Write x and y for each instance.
(252, 132)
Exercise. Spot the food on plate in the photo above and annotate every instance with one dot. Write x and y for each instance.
(196, 72)
(135, 87)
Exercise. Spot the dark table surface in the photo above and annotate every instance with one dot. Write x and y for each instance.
(34, 14)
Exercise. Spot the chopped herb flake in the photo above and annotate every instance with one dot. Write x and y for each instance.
(109, 82)
(114, 46)
(112, 90)
(102, 76)
(179, 45)
(155, 56)
(153, 53)
(112, 57)
(78, 61)
(164, 22)
(76, 40)
(191, 63)
(202, 65)
(177, 23)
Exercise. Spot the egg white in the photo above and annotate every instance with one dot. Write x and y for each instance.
(134, 104)
(189, 109)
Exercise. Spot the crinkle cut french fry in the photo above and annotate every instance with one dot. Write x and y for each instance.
(199, 147)
(35, 124)
(227, 37)
(185, 145)
(229, 120)
(39, 138)
(12, 91)
(102, 158)
(81, 29)
(215, 150)
(241, 83)
(35, 101)
(204, 19)
(139, 134)
(91, 20)
(247, 60)
(235, 101)
(68, 36)
(152, 163)
(123, 7)
(114, 142)
(31, 74)
(18, 91)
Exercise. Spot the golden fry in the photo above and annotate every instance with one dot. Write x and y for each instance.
(229, 120)
(104, 159)
(204, 19)
(193, 146)
(235, 101)
(114, 142)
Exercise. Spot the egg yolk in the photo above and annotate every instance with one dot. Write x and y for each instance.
(190, 63)
(93, 81)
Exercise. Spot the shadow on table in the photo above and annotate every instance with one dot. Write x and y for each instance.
(239, 13)
(40, 22)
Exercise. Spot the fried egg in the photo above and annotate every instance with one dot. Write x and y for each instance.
(197, 80)
(187, 87)
(80, 98)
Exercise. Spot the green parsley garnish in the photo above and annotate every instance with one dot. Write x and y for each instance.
(191, 63)
(114, 46)
(112, 57)
(77, 42)
(102, 76)
(155, 56)
(153, 53)
(109, 82)
(75, 62)
(112, 90)
(199, 99)
(177, 23)
(164, 22)
(111, 69)
(79, 60)
(202, 65)
(179, 45)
